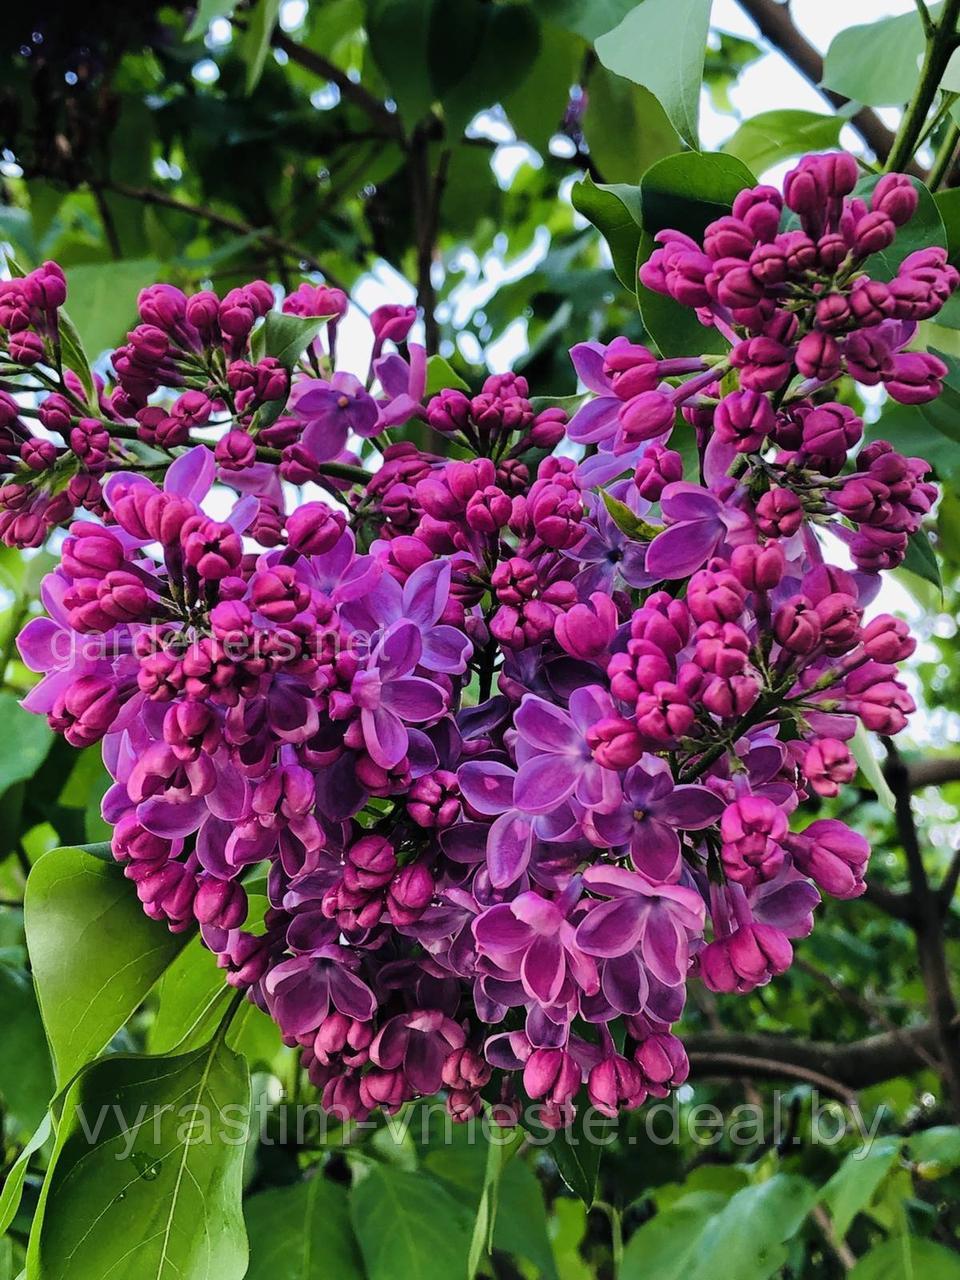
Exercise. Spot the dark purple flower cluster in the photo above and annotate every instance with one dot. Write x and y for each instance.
(517, 740)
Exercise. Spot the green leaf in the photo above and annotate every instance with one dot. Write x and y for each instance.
(286, 338)
(948, 203)
(507, 43)
(24, 744)
(103, 299)
(626, 521)
(486, 1210)
(588, 18)
(935, 1151)
(521, 1221)
(921, 559)
(772, 136)
(661, 44)
(441, 376)
(207, 11)
(26, 1077)
(576, 1150)
(625, 127)
(146, 1176)
(74, 357)
(685, 191)
(94, 953)
(745, 1240)
(12, 1190)
(870, 767)
(907, 1258)
(536, 106)
(855, 1183)
(302, 1232)
(662, 1248)
(255, 45)
(614, 209)
(876, 64)
(410, 1227)
(398, 31)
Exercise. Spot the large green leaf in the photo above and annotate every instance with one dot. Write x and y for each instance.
(907, 1258)
(686, 192)
(24, 743)
(625, 127)
(287, 337)
(261, 19)
(855, 1183)
(536, 106)
(661, 44)
(877, 63)
(302, 1232)
(12, 1190)
(102, 299)
(772, 136)
(745, 1240)
(588, 18)
(26, 1077)
(520, 1227)
(146, 1176)
(662, 1248)
(614, 209)
(94, 953)
(409, 1226)
(862, 750)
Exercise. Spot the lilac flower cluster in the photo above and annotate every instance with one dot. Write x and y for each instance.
(515, 740)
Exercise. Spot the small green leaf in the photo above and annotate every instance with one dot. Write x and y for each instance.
(302, 1232)
(26, 1077)
(207, 11)
(261, 20)
(614, 209)
(661, 44)
(94, 953)
(936, 1151)
(74, 357)
(921, 559)
(626, 521)
(870, 767)
(24, 744)
(410, 1227)
(907, 1258)
(286, 338)
(154, 1146)
(12, 1190)
(441, 376)
(102, 297)
(746, 1239)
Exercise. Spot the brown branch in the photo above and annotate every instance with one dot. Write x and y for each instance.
(426, 191)
(774, 22)
(931, 944)
(841, 1069)
(150, 195)
(387, 122)
(933, 771)
(949, 886)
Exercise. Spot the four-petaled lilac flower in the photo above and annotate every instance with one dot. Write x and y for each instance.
(698, 523)
(420, 1043)
(331, 410)
(555, 759)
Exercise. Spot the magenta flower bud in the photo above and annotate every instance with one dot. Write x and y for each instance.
(615, 743)
(728, 696)
(246, 959)
(752, 830)
(797, 626)
(278, 594)
(211, 547)
(831, 430)
(392, 323)
(715, 595)
(833, 856)
(744, 419)
(202, 311)
(221, 903)
(873, 233)
(90, 441)
(586, 631)
(915, 377)
(193, 408)
(764, 364)
(768, 264)
(870, 301)
(465, 1069)
(631, 368)
(122, 597)
(732, 284)
(548, 429)
(665, 714)
(887, 639)
(873, 550)
(657, 468)
(488, 510)
(235, 315)
(779, 513)
(685, 276)
(162, 305)
(759, 208)
(758, 567)
(818, 356)
(827, 765)
(896, 196)
(314, 528)
(552, 1074)
(647, 415)
(663, 621)
(56, 413)
(613, 1083)
(868, 357)
(799, 250)
(375, 861)
(25, 348)
(831, 251)
(38, 454)
(433, 801)
(230, 619)
(662, 1062)
(728, 237)
(411, 892)
(85, 712)
(833, 312)
(839, 616)
(236, 451)
(449, 411)
(745, 959)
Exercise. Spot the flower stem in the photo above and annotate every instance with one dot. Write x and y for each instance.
(944, 157)
(941, 41)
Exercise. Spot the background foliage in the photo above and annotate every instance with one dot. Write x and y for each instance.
(473, 149)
